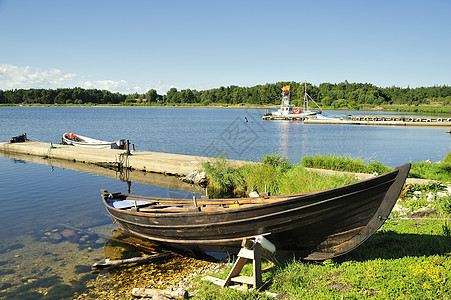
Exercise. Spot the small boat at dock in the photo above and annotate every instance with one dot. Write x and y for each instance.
(312, 226)
(327, 117)
(79, 140)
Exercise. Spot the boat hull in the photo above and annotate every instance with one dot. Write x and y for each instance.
(314, 226)
(324, 117)
(92, 143)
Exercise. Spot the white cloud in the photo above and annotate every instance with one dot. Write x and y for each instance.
(14, 77)
(109, 85)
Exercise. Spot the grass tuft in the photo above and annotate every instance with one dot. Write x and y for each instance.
(343, 163)
(273, 175)
(439, 171)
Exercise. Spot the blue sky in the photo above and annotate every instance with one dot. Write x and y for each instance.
(133, 46)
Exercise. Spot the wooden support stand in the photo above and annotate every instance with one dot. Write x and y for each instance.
(244, 254)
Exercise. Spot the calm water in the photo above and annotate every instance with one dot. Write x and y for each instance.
(209, 131)
(42, 198)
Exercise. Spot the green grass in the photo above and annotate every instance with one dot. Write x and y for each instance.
(430, 196)
(440, 171)
(273, 175)
(224, 180)
(419, 108)
(299, 179)
(403, 260)
(277, 176)
(343, 163)
(447, 158)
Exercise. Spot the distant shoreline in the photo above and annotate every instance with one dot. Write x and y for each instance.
(398, 108)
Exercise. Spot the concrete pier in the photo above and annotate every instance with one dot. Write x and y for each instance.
(157, 162)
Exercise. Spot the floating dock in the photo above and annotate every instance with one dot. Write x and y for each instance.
(369, 120)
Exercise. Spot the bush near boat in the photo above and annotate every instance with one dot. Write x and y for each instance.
(408, 258)
(274, 175)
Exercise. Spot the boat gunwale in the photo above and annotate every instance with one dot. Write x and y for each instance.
(278, 200)
(228, 211)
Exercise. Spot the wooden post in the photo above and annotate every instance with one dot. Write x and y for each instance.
(127, 146)
(257, 266)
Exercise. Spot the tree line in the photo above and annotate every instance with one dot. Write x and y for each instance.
(344, 94)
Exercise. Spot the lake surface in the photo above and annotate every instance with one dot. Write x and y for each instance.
(213, 131)
(53, 225)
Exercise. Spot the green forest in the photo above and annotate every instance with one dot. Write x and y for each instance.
(340, 95)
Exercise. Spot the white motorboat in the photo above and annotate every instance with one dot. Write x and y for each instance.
(79, 140)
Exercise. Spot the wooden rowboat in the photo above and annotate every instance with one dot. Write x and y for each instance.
(313, 226)
(78, 140)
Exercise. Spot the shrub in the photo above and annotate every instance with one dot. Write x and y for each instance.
(224, 180)
(274, 175)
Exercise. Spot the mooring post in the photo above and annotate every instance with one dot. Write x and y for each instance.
(127, 146)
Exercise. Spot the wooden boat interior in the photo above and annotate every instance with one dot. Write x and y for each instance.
(174, 205)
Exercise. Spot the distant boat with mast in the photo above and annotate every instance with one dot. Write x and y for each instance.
(286, 108)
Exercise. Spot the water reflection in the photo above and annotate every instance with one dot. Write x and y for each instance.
(124, 175)
(284, 137)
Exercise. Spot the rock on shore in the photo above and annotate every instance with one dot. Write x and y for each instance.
(196, 178)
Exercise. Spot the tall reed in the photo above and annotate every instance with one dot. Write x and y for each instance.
(273, 175)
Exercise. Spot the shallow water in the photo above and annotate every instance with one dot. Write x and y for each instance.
(54, 226)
